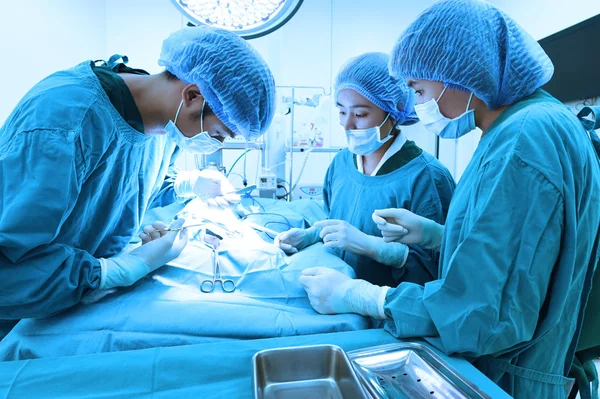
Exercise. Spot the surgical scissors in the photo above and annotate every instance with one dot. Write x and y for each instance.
(209, 285)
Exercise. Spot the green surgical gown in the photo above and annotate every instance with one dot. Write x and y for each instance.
(519, 243)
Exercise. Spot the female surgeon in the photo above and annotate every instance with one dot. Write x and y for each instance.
(90, 149)
(380, 168)
(520, 243)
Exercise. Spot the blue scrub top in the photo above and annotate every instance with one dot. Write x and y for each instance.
(76, 180)
(422, 185)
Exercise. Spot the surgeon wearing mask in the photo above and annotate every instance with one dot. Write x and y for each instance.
(520, 244)
(90, 149)
(380, 169)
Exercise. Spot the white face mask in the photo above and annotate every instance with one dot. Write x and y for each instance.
(366, 141)
(431, 117)
(202, 143)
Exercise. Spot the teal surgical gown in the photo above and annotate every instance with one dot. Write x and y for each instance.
(519, 245)
(410, 179)
(76, 181)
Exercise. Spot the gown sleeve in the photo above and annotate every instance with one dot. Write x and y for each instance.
(41, 174)
(494, 283)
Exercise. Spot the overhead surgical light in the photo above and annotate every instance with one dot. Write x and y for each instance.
(248, 18)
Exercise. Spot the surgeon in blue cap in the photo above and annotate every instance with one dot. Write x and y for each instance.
(521, 240)
(380, 168)
(90, 149)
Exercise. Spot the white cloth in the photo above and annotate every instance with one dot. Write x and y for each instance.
(396, 146)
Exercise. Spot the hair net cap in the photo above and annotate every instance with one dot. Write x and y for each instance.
(233, 78)
(369, 76)
(472, 45)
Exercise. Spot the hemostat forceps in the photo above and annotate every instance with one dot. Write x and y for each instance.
(209, 285)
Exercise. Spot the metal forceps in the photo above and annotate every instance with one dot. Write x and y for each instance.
(209, 285)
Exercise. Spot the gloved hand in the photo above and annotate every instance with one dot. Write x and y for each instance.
(406, 227)
(331, 292)
(153, 231)
(125, 269)
(209, 185)
(341, 234)
(295, 239)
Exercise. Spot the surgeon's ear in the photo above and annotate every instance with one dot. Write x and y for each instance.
(191, 95)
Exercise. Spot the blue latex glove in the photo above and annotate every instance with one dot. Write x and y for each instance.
(125, 269)
(341, 234)
(209, 185)
(406, 227)
(295, 239)
(331, 292)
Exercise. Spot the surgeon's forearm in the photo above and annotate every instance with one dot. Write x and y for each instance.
(410, 318)
(166, 195)
(312, 234)
(432, 235)
(46, 282)
(392, 254)
(362, 297)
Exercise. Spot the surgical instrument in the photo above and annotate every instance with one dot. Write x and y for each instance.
(263, 229)
(208, 286)
(230, 232)
(181, 228)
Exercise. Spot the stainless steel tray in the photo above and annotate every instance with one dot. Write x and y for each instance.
(319, 371)
(409, 370)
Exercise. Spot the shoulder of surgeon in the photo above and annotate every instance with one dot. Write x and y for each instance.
(541, 132)
(436, 167)
(70, 102)
(344, 158)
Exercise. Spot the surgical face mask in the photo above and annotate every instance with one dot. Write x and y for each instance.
(201, 143)
(366, 141)
(430, 116)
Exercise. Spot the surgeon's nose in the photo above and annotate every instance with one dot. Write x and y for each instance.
(349, 124)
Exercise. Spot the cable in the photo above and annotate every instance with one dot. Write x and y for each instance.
(287, 221)
(273, 222)
(287, 193)
(286, 182)
(288, 160)
(301, 171)
(248, 195)
(236, 174)
(258, 165)
(245, 181)
(237, 160)
(269, 235)
(281, 223)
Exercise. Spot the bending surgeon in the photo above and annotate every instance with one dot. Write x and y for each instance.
(379, 169)
(520, 244)
(90, 149)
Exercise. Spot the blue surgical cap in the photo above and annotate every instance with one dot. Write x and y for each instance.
(235, 81)
(369, 76)
(471, 45)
